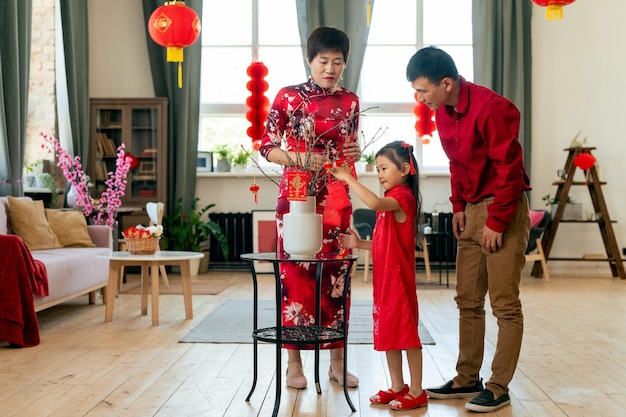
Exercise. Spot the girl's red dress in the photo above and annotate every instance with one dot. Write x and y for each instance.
(307, 116)
(395, 309)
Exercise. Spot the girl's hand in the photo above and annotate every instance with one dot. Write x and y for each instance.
(351, 150)
(340, 173)
(349, 240)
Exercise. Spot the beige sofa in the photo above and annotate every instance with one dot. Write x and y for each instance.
(72, 271)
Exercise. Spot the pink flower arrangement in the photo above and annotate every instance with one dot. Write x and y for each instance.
(110, 200)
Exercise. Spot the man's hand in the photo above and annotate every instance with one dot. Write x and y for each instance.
(491, 240)
(458, 223)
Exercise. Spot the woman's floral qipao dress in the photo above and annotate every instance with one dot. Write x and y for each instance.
(306, 117)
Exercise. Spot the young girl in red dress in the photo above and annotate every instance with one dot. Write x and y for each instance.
(395, 309)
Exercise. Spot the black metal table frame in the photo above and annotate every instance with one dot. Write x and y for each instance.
(298, 335)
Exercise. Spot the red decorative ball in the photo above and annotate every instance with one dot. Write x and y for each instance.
(585, 161)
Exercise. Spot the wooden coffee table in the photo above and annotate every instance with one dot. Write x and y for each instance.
(149, 263)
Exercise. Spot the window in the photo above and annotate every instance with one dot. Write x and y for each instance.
(393, 39)
(267, 31)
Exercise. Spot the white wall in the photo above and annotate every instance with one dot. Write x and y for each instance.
(578, 66)
(578, 63)
(118, 53)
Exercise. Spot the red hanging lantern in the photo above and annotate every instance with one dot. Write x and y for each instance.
(425, 125)
(554, 8)
(174, 26)
(258, 103)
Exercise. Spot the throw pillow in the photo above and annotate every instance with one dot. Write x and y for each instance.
(535, 217)
(70, 227)
(28, 221)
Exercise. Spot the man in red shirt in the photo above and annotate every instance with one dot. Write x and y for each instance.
(479, 133)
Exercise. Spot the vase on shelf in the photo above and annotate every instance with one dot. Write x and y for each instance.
(302, 229)
(70, 197)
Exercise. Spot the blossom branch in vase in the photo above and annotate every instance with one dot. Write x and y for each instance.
(104, 211)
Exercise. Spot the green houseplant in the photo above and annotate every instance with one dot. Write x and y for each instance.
(369, 159)
(187, 230)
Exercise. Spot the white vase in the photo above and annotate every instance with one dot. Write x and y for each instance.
(70, 197)
(302, 229)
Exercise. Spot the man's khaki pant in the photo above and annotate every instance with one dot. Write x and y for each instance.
(498, 273)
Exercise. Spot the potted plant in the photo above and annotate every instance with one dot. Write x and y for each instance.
(46, 180)
(187, 230)
(29, 170)
(369, 159)
(223, 153)
(572, 211)
(240, 159)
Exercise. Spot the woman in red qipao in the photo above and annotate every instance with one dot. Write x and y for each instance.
(311, 124)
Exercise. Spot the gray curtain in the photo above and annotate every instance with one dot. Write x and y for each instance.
(15, 28)
(183, 108)
(347, 15)
(76, 46)
(502, 56)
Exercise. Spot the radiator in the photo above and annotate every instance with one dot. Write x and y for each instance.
(238, 230)
(442, 250)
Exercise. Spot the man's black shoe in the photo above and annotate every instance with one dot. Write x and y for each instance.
(446, 391)
(485, 403)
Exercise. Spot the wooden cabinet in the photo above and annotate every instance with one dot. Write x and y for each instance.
(141, 124)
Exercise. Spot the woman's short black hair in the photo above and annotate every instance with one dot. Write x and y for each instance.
(327, 38)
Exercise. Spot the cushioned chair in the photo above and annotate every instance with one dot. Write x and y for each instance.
(534, 251)
(421, 251)
(364, 221)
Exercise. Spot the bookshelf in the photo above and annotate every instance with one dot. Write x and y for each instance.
(141, 124)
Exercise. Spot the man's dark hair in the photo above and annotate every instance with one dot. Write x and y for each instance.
(326, 38)
(433, 64)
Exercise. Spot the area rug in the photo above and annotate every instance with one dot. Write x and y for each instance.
(231, 322)
(200, 285)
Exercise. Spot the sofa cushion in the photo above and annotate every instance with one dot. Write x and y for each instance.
(70, 227)
(28, 221)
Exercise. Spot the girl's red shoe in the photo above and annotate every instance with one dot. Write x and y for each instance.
(404, 403)
(385, 397)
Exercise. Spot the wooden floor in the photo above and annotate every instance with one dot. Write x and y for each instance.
(573, 360)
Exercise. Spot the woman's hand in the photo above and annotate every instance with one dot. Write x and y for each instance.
(351, 150)
(349, 240)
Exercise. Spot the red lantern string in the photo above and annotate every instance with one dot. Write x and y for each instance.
(425, 125)
(174, 26)
(585, 161)
(257, 103)
(327, 166)
(554, 8)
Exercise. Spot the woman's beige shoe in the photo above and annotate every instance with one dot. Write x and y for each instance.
(297, 382)
(352, 380)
